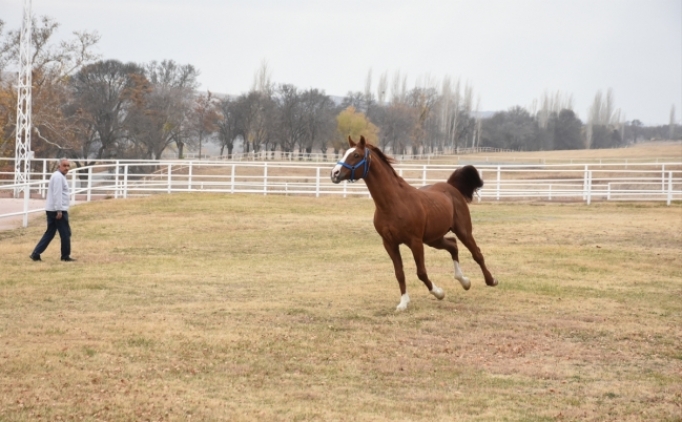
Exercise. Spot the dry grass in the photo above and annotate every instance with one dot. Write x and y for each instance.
(642, 152)
(220, 307)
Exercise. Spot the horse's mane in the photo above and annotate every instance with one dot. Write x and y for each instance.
(465, 179)
(383, 157)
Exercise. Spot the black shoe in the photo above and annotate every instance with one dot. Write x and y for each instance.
(68, 259)
(35, 257)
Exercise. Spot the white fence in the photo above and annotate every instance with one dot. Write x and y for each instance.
(566, 182)
(297, 155)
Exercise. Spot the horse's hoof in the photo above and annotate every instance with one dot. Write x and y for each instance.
(494, 283)
(404, 300)
(438, 292)
(465, 282)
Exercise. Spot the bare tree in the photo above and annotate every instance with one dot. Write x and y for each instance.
(603, 122)
(291, 120)
(162, 121)
(203, 117)
(227, 125)
(671, 127)
(52, 65)
(450, 111)
(318, 119)
(103, 93)
(382, 88)
(423, 101)
(368, 96)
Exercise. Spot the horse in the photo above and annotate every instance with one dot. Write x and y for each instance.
(414, 217)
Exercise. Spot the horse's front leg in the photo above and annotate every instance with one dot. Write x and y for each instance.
(393, 250)
(417, 248)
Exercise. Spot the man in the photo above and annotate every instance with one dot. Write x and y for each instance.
(57, 210)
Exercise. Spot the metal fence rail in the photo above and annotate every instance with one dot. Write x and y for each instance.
(565, 182)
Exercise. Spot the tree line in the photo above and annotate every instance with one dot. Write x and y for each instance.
(87, 108)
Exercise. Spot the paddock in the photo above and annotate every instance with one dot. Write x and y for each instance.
(251, 307)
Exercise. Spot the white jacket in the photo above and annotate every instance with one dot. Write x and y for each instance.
(57, 193)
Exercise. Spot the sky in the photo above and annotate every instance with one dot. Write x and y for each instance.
(511, 52)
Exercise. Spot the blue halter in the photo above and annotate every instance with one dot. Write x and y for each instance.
(364, 161)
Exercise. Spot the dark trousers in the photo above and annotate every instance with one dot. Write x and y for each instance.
(54, 226)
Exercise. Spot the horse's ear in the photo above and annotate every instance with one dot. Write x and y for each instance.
(362, 142)
(350, 142)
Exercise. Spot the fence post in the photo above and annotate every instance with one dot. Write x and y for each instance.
(498, 183)
(116, 186)
(670, 187)
(232, 179)
(189, 177)
(27, 194)
(89, 195)
(169, 177)
(42, 185)
(125, 181)
(317, 184)
(663, 178)
(424, 176)
(589, 187)
(73, 186)
(265, 178)
(585, 184)
(608, 192)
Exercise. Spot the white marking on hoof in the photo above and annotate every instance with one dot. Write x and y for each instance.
(404, 300)
(464, 281)
(438, 292)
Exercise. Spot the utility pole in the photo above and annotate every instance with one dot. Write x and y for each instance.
(23, 153)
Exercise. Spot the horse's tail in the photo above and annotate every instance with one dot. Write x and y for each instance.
(466, 180)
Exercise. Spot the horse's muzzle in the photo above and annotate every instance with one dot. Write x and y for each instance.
(336, 176)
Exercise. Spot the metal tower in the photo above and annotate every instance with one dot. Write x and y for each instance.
(22, 156)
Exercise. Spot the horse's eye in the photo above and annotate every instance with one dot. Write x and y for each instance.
(355, 155)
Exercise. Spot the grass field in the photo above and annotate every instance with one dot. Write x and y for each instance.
(229, 307)
(643, 152)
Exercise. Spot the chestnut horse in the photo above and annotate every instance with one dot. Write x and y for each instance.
(414, 217)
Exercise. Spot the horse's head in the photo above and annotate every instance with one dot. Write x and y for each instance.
(355, 162)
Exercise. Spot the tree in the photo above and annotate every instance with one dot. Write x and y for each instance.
(513, 129)
(397, 123)
(602, 113)
(226, 125)
(423, 101)
(103, 93)
(635, 127)
(291, 121)
(671, 126)
(203, 118)
(57, 133)
(567, 131)
(351, 123)
(318, 118)
(161, 120)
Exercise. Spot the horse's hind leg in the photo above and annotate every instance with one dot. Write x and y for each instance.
(467, 239)
(394, 252)
(417, 248)
(450, 245)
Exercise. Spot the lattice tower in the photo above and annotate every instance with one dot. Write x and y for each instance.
(22, 156)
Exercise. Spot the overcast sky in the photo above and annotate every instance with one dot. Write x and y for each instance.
(509, 51)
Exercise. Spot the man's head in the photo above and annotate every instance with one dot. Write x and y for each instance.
(64, 166)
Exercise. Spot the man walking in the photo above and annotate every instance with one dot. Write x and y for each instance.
(57, 210)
